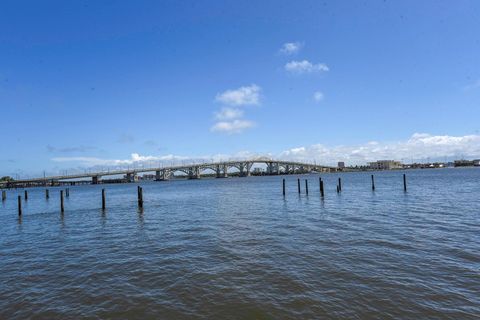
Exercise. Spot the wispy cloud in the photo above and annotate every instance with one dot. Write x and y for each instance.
(290, 48)
(135, 158)
(472, 86)
(305, 66)
(231, 127)
(71, 149)
(151, 143)
(243, 96)
(126, 138)
(228, 114)
(318, 96)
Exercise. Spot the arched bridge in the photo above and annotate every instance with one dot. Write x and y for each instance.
(192, 171)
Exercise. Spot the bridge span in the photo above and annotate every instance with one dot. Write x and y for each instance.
(221, 169)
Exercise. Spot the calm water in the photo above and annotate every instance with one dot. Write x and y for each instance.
(236, 249)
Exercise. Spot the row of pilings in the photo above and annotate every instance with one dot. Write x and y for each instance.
(338, 186)
(66, 193)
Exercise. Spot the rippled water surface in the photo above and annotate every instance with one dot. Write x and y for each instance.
(236, 249)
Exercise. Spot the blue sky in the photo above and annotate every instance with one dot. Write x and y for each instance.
(87, 83)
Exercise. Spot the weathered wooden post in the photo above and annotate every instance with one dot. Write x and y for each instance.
(103, 199)
(62, 208)
(26, 195)
(373, 183)
(4, 195)
(19, 205)
(338, 189)
(404, 182)
(339, 184)
(283, 187)
(298, 183)
(321, 188)
(140, 197)
(47, 194)
(306, 186)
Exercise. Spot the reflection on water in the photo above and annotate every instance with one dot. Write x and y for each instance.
(236, 248)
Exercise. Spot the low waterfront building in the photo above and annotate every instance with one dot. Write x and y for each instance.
(258, 171)
(385, 165)
(464, 163)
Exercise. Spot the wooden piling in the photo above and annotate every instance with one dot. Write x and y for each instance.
(306, 186)
(47, 194)
(298, 183)
(338, 189)
(19, 205)
(373, 183)
(321, 188)
(26, 195)
(339, 184)
(103, 200)
(4, 195)
(140, 197)
(404, 182)
(283, 187)
(62, 208)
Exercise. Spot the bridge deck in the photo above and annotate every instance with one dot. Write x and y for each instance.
(186, 168)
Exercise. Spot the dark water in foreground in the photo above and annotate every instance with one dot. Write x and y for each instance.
(235, 249)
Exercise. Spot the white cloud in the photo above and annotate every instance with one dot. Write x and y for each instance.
(305, 66)
(291, 48)
(243, 96)
(318, 96)
(230, 127)
(228, 114)
(419, 146)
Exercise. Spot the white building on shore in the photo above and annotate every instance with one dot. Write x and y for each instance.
(385, 165)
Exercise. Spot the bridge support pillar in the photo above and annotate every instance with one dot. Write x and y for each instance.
(96, 179)
(242, 167)
(194, 173)
(269, 168)
(248, 169)
(273, 168)
(166, 174)
(131, 177)
(225, 171)
(221, 171)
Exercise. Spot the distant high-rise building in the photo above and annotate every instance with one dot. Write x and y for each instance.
(341, 164)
